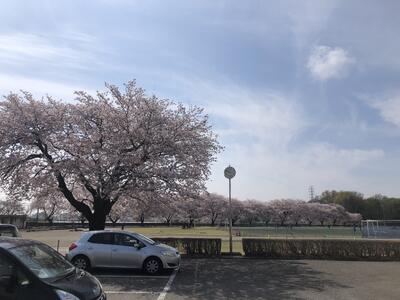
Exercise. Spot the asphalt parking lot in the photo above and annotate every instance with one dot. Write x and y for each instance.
(258, 279)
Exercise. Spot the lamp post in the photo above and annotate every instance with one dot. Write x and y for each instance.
(229, 173)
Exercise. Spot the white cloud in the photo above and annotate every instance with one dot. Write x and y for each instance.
(39, 87)
(67, 49)
(266, 174)
(389, 109)
(326, 62)
(266, 116)
(260, 131)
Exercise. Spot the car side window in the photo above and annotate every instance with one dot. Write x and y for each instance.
(126, 240)
(101, 238)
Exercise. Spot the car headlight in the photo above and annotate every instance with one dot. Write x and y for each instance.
(63, 295)
(168, 253)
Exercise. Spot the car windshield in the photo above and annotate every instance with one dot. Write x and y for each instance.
(146, 239)
(43, 261)
(8, 231)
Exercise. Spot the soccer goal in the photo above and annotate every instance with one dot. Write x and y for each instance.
(380, 229)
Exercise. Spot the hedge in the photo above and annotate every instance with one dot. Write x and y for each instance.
(194, 246)
(323, 249)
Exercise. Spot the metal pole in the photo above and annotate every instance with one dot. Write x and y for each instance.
(230, 219)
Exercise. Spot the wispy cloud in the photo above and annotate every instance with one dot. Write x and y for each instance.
(260, 131)
(326, 62)
(69, 49)
(389, 108)
(39, 88)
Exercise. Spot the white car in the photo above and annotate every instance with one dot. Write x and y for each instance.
(122, 249)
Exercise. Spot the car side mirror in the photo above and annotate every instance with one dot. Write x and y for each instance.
(139, 245)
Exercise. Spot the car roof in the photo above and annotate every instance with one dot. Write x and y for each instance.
(109, 231)
(11, 242)
(7, 226)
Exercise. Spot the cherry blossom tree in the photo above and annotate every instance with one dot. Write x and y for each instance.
(251, 209)
(265, 212)
(283, 209)
(354, 218)
(213, 206)
(12, 203)
(50, 201)
(120, 211)
(311, 212)
(236, 212)
(144, 206)
(167, 210)
(338, 214)
(298, 211)
(191, 209)
(110, 145)
(325, 212)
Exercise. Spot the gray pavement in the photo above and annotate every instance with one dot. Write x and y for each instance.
(258, 279)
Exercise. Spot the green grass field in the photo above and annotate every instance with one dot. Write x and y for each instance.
(281, 232)
(65, 237)
(239, 232)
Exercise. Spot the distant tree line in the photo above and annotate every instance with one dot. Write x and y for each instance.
(330, 208)
(209, 208)
(377, 207)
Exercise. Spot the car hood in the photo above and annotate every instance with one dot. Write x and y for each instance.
(80, 283)
(164, 247)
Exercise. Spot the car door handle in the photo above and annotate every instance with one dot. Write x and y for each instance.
(114, 250)
(90, 248)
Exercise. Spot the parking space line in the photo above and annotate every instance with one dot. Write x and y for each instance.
(196, 273)
(131, 292)
(130, 276)
(167, 286)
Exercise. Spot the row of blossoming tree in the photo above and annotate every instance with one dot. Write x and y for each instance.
(209, 208)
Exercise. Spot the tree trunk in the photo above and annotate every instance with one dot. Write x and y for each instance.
(142, 219)
(97, 220)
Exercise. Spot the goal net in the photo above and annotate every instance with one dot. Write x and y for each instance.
(384, 229)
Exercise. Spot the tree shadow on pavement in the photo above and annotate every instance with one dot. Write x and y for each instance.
(249, 279)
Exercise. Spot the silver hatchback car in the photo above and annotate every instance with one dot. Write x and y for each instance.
(122, 249)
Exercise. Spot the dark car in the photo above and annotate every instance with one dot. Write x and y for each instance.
(9, 230)
(32, 270)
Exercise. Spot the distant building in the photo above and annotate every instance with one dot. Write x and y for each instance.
(17, 220)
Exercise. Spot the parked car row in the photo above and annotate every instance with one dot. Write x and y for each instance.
(33, 270)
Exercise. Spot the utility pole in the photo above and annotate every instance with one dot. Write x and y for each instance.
(311, 193)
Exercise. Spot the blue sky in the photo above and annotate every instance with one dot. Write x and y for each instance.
(300, 92)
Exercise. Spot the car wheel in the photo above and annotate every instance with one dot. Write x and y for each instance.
(153, 265)
(81, 262)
